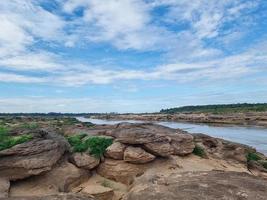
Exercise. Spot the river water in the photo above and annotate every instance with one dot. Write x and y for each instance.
(249, 135)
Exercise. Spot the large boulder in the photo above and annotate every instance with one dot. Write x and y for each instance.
(163, 149)
(34, 157)
(62, 196)
(84, 160)
(120, 171)
(4, 187)
(62, 178)
(128, 133)
(115, 151)
(183, 144)
(199, 185)
(137, 155)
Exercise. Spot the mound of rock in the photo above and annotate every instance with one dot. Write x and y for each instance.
(115, 151)
(156, 139)
(84, 160)
(199, 185)
(34, 157)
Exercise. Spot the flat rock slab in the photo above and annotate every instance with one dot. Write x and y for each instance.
(137, 155)
(199, 185)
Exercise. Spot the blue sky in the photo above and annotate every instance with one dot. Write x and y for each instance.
(130, 55)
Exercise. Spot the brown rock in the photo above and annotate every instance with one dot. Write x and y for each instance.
(120, 171)
(141, 133)
(62, 178)
(4, 187)
(62, 196)
(84, 160)
(137, 155)
(183, 144)
(32, 158)
(115, 151)
(199, 185)
(99, 192)
(163, 149)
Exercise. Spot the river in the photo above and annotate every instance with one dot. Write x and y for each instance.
(249, 135)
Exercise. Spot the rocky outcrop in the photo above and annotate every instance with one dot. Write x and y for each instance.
(84, 160)
(63, 196)
(137, 155)
(62, 178)
(156, 139)
(32, 158)
(99, 192)
(4, 187)
(115, 151)
(223, 149)
(120, 171)
(199, 185)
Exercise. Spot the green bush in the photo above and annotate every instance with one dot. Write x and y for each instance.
(253, 157)
(7, 141)
(199, 151)
(97, 145)
(94, 145)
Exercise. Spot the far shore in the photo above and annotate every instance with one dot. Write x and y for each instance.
(243, 119)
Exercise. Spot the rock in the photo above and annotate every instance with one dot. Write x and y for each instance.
(199, 185)
(141, 133)
(85, 161)
(32, 158)
(115, 151)
(62, 196)
(163, 149)
(4, 187)
(99, 192)
(62, 178)
(137, 155)
(120, 171)
(183, 144)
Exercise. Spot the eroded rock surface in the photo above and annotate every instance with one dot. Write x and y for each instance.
(115, 151)
(120, 171)
(199, 185)
(62, 178)
(62, 196)
(137, 155)
(84, 160)
(4, 187)
(34, 157)
(99, 192)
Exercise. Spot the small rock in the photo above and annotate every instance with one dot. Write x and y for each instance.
(163, 149)
(84, 160)
(183, 144)
(137, 155)
(115, 151)
(99, 192)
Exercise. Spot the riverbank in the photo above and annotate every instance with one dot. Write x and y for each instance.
(244, 119)
(69, 159)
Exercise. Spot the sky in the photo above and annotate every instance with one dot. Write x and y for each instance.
(131, 55)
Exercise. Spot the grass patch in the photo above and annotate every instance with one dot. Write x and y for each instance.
(253, 157)
(7, 141)
(30, 126)
(106, 183)
(199, 151)
(95, 145)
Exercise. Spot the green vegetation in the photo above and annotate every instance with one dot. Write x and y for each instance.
(219, 109)
(30, 126)
(7, 141)
(106, 183)
(253, 157)
(95, 145)
(199, 151)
